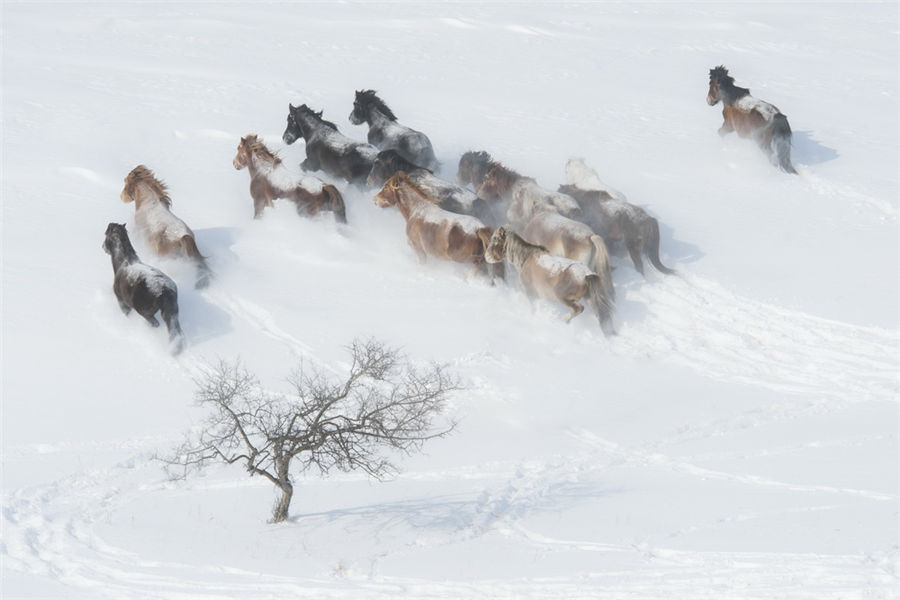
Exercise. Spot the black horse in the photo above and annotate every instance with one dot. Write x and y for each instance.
(448, 195)
(386, 133)
(327, 149)
(141, 287)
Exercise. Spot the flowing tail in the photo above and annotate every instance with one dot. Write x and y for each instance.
(599, 263)
(651, 245)
(169, 312)
(190, 248)
(781, 143)
(335, 202)
(601, 304)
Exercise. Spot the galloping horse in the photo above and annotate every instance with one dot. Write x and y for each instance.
(538, 213)
(166, 234)
(751, 118)
(433, 231)
(270, 179)
(552, 277)
(448, 196)
(327, 149)
(608, 213)
(141, 287)
(386, 133)
(473, 165)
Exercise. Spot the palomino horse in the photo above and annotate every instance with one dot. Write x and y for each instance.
(449, 196)
(386, 133)
(166, 234)
(552, 277)
(751, 118)
(270, 179)
(540, 216)
(608, 213)
(327, 149)
(433, 231)
(141, 287)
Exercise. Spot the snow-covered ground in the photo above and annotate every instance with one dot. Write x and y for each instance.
(738, 439)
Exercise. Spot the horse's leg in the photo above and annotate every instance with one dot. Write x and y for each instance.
(727, 127)
(310, 164)
(169, 313)
(577, 309)
(635, 247)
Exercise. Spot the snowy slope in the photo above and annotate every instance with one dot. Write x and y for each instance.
(738, 439)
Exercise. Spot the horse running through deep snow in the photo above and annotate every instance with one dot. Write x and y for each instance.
(386, 133)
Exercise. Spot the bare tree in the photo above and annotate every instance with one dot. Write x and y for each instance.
(383, 404)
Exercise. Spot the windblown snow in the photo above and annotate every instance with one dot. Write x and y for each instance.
(738, 438)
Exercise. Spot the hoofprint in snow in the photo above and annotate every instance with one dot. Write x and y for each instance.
(738, 438)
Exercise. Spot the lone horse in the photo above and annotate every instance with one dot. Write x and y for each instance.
(270, 180)
(386, 133)
(327, 149)
(448, 195)
(552, 277)
(166, 234)
(751, 118)
(608, 213)
(433, 231)
(141, 287)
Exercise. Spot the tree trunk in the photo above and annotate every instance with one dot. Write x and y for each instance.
(283, 505)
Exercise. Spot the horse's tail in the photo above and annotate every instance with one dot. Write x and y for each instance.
(189, 244)
(599, 263)
(600, 303)
(781, 143)
(650, 233)
(335, 202)
(169, 312)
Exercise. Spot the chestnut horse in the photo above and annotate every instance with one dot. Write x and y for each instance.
(608, 213)
(448, 195)
(386, 133)
(166, 234)
(270, 179)
(552, 277)
(433, 231)
(751, 118)
(327, 149)
(538, 214)
(141, 287)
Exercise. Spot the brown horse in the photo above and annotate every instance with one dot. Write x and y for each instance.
(433, 231)
(270, 180)
(552, 277)
(540, 215)
(608, 213)
(751, 118)
(165, 234)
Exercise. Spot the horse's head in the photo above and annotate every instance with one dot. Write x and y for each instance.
(141, 184)
(496, 250)
(294, 130)
(717, 78)
(472, 167)
(386, 164)
(115, 234)
(389, 194)
(244, 150)
(359, 113)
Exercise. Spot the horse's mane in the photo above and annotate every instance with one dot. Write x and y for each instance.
(477, 156)
(368, 98)
(318, 115)
(721, 76)
(518, 248)
(401, 178)
(121, 234)
(259, 149)
(141, 174)
(504, 176)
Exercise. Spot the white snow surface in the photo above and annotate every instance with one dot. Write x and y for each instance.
(737, 439)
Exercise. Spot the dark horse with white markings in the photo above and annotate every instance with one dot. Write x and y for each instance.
(448, 195)
(751, 118)
(141, 287)
(386, 133)
(327, 149)
(552, 277)
(270, 180)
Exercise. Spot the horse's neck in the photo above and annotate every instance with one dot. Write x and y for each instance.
(123, 254)
(410, 201)
(148, 200)
(732, 93)
(270, 170)
(518, 250)
(376, 118)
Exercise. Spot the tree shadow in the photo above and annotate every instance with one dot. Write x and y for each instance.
(808, 151)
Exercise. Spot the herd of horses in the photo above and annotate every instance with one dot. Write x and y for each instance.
(557, 240)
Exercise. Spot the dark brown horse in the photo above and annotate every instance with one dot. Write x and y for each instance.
(751, 118)
(433, 231)
(270, 180)
(608, 213)
(473, 166)
(165, 234)
(141, 287)
(552, 277)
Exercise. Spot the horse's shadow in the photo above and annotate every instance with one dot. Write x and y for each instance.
(808, 151)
